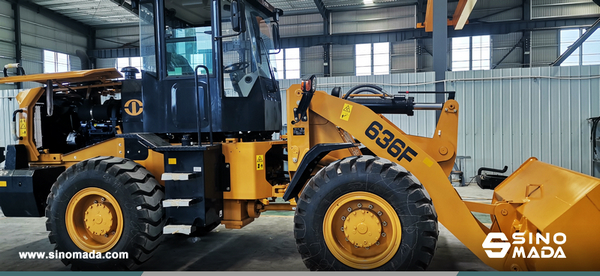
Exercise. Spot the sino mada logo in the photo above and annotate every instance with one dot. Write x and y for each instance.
(541, 245)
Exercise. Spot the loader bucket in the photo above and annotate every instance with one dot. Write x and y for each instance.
(550, 200)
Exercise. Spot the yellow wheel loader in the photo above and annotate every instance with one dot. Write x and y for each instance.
(115, 164)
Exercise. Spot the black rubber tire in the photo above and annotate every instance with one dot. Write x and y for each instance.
(139, 195)
(381, 177)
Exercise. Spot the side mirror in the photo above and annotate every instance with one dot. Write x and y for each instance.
(276, 36)
(238, 16)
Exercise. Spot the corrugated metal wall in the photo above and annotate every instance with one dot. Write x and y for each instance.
(373, 20)
(8, 104)
(37, 33)
(544, 47)
(301, 25)
(507, 116)
(562, 8)
(342, 60)
(501, 45)
(7, 38)
(403, 57)
(312, 61)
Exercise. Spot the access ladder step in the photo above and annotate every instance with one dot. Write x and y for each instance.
(181, 202)
(177, 176)
(177, 229)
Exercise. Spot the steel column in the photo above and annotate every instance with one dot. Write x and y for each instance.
(326, 14)
(18, 44)
(440, 47)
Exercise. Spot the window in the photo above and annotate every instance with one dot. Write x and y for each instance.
(286, 63)
(372, 59)
(56, 62)
(130, 61)
(587, 54)
(471, 53)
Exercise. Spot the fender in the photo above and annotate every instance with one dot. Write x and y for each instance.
(308, 164)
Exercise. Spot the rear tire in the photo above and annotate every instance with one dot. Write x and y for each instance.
(365, 188)
(133, 223)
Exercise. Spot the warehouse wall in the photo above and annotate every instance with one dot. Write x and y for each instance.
(37, 33)
(7, 38)
(509, 115)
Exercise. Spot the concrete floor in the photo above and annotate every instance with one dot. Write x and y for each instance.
(267, 244)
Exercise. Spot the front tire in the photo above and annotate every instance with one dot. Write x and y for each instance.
(106, 204)
(365, 213)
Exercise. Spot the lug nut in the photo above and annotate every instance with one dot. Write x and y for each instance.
(367, 248)
(343, 218)
(380, 213)
(106, 235)
(370, 206)
(95, 201)
(383, 234)
(103, 199)
(342, 229)
(359, 205)
(377, 243)
(384, 223)
(349, 209)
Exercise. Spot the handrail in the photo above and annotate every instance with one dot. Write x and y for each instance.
(207, 95)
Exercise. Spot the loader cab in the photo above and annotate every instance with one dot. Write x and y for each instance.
(233, 39)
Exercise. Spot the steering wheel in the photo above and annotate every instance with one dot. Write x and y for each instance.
(236, 67)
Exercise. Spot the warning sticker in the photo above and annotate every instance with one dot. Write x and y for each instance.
(22, 128)
(346, 111)
(428, 162)
(260, 162)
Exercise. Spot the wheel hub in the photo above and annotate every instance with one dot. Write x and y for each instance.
(94, 220)
(98, 219)
(362, 228)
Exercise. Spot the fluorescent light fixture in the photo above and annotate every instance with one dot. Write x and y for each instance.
(368, 2)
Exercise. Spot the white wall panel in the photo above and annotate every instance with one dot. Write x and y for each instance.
(509, 115)
(562, 8)
(301, 25)
(544, 47)
(372, 20)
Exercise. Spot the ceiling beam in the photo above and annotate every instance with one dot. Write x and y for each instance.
(75, 25)
(488, 28)
(322, 9)
(462, 13)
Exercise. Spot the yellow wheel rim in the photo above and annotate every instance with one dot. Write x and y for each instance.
(94, 220)
(362, 230)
